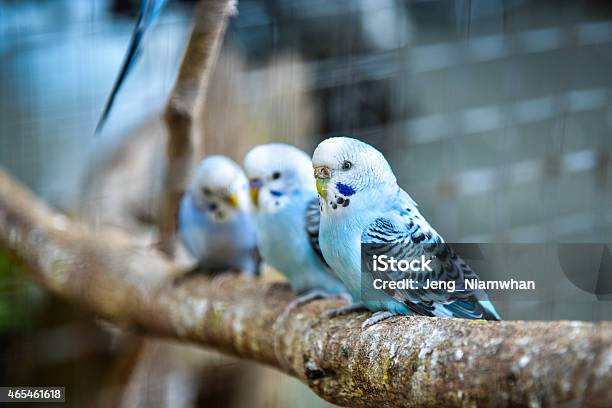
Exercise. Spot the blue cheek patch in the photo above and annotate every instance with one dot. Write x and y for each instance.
(276, 193)
(345, 190)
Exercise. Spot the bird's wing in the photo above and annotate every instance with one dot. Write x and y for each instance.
(313, 217)
(149, 12)
(404, 234)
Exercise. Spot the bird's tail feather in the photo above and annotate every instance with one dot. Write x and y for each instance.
(149, 12)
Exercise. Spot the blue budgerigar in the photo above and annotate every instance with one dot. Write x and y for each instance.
(149, 12)
(361, 202)
(287, 218)
(215, 221)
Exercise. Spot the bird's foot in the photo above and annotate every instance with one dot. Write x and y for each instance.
(377, 317)
(306, 298)
(186, 274)
(344, 310)
(220, 280)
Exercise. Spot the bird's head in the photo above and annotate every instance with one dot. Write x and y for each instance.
(351, 174)
(220, 188)
(276, 172)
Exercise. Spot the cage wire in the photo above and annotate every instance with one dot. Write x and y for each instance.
(495, 115)
(475, 102)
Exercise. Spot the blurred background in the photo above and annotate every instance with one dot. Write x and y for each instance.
(495, 114)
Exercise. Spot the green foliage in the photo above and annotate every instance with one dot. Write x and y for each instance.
(19, 297)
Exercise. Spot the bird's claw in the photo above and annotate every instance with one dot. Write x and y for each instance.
(345, 296)
(185, 274)
(306, 298)
(344, 310)
(222, 279)
(375, 318)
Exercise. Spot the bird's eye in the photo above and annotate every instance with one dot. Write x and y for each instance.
(206, 191)
(346, 165)
(276, 175)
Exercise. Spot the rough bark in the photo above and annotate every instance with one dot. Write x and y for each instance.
(403, 361)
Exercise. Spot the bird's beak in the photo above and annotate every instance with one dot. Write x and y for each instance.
(322, 187)
(322, 175)
(255, 185)
(255, 195)
(232, 200)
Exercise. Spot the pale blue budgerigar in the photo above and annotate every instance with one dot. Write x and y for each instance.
(287, 218)
(361, 202)
(149, 12)
(215, 220)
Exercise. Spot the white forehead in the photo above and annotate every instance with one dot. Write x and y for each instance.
(217, 172)
(262, 160)
(333, 151)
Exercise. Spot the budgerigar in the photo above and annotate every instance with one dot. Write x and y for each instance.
(361, 202)
(287, 218)
(149, 12)
(215, 222)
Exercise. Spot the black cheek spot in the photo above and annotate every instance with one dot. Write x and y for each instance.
(346, 203)
(340, 200)
(334, 205)
(212, 206)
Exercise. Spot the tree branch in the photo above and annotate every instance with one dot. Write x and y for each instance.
(403, 361)
(209, 23)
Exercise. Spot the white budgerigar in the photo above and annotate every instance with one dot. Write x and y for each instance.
(362, 203)
(287, 218)
(215, 221)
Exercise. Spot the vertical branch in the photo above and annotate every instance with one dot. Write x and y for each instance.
(189, 90)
